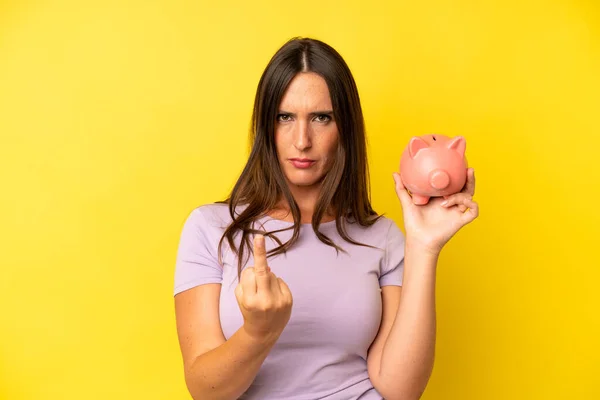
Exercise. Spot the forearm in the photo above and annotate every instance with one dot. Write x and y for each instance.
(408, 353)
(228, 370)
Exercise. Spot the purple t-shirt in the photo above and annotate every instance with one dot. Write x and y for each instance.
(337, 308)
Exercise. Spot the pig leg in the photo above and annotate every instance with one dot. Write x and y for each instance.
(420, 199)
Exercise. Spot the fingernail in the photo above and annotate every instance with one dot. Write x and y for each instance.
(444, 202)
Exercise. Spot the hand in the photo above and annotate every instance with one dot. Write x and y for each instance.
(264, 299)
(432, 225)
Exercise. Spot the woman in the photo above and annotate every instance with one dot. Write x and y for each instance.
(294, 287)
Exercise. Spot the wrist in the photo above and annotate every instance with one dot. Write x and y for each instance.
(262, 339)
(419, 247)
(420, 264)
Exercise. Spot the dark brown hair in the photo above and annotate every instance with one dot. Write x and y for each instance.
(262, 184)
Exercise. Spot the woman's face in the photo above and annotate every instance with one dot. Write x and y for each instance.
(306, 135)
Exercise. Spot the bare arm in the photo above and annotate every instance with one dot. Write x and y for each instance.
(403, 352)
(221, 369)
(215, 368)
(401, 358)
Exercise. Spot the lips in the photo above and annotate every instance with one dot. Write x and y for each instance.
(302, 163)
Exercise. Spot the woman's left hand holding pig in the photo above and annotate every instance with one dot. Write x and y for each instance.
(432, 225)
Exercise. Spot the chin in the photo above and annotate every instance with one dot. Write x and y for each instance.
(304, 181)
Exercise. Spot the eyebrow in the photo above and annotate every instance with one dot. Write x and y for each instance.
(312, 114)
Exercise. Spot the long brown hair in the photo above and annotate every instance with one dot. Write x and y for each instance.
(262, 184)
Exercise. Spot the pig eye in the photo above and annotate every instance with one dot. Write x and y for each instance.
(434, 138)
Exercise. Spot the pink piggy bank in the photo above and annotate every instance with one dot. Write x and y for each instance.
(433, 166)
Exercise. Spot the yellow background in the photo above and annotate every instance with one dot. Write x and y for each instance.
(118, 117)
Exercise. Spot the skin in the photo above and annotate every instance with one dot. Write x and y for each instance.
(400, 359)
(305, 129)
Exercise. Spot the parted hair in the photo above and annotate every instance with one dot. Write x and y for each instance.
(345, 189)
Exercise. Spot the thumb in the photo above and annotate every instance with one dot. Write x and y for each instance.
(401, 191)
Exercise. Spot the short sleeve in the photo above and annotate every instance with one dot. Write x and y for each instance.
(392, 269)
(196, 262)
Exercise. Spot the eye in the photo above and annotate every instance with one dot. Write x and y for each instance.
(323, 118)
(283, 117)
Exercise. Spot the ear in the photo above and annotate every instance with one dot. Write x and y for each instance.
(416, 144)
(459, 144)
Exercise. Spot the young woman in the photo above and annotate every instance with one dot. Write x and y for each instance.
(294, 287)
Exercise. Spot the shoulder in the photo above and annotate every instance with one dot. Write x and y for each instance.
(212, 215)
(383, 227)
(391, 227)
(384, 232)
(206, 222)
(393, 242)
(386, 224)
(394, 236)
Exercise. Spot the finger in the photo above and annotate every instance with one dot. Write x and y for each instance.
(260, 255)
(247, 281)
(470, 185)
(239, 292)
(469, 209)
(401, 191)
(274, 283)
(260, 264)
(285, 290)
(457, 199)
(472, 212)
(460, 207)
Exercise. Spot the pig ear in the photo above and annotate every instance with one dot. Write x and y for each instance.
(459, 144)
(416, 144)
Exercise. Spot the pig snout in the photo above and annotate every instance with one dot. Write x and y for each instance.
(439, 179)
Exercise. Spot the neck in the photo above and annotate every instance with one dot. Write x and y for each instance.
(307, 202)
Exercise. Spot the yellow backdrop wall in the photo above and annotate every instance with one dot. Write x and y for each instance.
(117, 118)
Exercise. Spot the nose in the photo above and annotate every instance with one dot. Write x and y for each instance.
(302, 140)
(439, 179)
